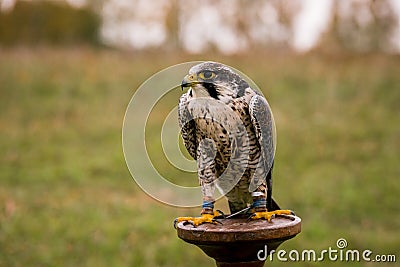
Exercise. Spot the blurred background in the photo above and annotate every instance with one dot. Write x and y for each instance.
(329, 69)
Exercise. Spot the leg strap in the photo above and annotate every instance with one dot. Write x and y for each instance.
(208, 207)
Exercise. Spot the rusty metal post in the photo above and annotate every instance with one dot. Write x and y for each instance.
(238, 242)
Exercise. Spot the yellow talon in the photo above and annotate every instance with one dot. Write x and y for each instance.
(196, 221)
(268, 215)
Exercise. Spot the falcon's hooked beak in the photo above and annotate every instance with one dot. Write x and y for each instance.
(189, 80)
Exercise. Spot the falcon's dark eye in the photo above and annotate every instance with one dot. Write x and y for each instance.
(206, 75)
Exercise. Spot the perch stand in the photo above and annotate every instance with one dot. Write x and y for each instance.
(237, 242)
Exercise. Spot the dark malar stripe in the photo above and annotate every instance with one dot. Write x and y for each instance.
(212, 90)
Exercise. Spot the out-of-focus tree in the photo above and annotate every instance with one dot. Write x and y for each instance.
(137, 24)
(267, 24)
(235, 25)
(361, 26)
(43, 22)
(172, 25)
(228, 26)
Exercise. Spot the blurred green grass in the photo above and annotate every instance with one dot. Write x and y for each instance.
(67, 198)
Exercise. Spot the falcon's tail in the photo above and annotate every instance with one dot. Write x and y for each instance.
(274, 206)
(235, 207)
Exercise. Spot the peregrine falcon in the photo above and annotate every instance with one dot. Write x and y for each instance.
(227, 128)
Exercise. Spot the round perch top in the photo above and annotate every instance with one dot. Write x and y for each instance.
(239, 230)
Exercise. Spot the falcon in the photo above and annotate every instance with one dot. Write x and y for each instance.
(227, 127)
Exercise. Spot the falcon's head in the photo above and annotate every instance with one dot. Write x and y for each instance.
(215, 80)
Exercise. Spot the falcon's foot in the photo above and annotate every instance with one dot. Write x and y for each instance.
(196, 221)
(269, 215)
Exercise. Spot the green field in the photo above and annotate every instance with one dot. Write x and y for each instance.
(67, 198)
